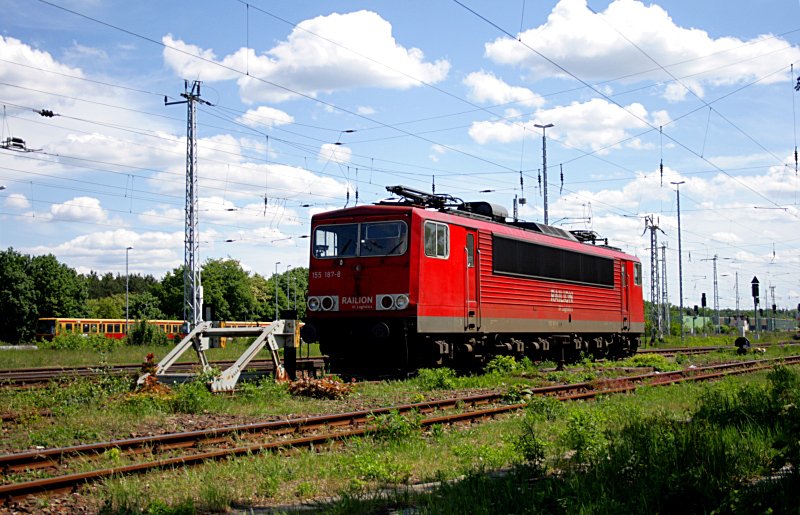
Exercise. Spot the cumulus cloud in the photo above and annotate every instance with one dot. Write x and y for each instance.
(17, 201)
(20, 65)
(78, 209)
(323, 54)
(595, 125)
(485, 87)
(266, 117)
(591, 46)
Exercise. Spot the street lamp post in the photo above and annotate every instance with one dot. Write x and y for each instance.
(126, 289)
(288, 296)
(276, 290)
(544, 163)
(680, 253)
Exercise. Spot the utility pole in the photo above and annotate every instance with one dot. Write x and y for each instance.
(665, 314)
(544, 163)
(655, 310)
(772, 305)
(277, 307)
(192, 287)
(126, 289)
(716, 289)
(680, 253)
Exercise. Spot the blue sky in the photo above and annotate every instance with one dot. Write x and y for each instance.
(315, 102)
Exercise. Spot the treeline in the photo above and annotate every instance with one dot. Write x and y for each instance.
(33, 287)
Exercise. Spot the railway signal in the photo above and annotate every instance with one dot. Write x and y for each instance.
(754, 290)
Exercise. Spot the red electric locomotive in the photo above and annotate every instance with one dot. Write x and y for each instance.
(430, 280)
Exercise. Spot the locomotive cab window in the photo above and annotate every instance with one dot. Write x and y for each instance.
(637, 274)
(383, 239)
(332, 241)
(437, 240)
(368, 239)
(470, 250)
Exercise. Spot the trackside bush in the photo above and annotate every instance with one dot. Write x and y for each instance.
(71, 341)
(143, 334)
(436, 378)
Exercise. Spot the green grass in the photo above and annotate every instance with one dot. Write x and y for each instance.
(121, 355)
(739, 430)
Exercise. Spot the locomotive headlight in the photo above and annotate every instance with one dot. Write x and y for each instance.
(313, 303)
(386, 301)
(401, 301)
(330, 303)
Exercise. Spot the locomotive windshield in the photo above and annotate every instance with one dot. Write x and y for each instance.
(364, 239)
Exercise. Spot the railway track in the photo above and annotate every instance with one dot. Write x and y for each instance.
(42, 375)
(324, 429)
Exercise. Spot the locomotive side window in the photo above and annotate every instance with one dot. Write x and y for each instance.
(437, 240)
(637, 274)
(332, 241)
(526, 259)
(470, 250)
(383, 239)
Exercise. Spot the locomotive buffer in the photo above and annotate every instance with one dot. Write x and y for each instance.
(278, 334)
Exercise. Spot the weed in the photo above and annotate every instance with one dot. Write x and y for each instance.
(436, 378)
(656, 361)
(545, 408)
(305, 489)
(483, 457)
(395, 427)
(530, 445)
(192, 397)
(502, 365)
(382, 468)
(584, 434)
(216, 496)
(517, 393)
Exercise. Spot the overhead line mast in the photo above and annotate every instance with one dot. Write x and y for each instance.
(192, 287)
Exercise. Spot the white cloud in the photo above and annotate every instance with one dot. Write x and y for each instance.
(596, 124)
(365, 54)
(726, 237)
(334, 153)
(485, 87)
(266, 117)
(589, 46)
(78, 209)
(28, 78)
(78, 52)
(17, 201)
(365, 110)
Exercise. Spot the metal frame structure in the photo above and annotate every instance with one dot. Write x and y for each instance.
(278, 334)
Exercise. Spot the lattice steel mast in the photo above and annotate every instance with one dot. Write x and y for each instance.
(656, 321)
(665, 315)
(192, 287)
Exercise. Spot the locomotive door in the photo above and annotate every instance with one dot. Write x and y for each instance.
(625, 295)
(471, 288)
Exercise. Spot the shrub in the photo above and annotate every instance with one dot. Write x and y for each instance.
(192, 397)
(142, 333)
(396, 427)
(502, 365)
(436, 378)
(72, 341)
(585, 436)
(529, 445)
